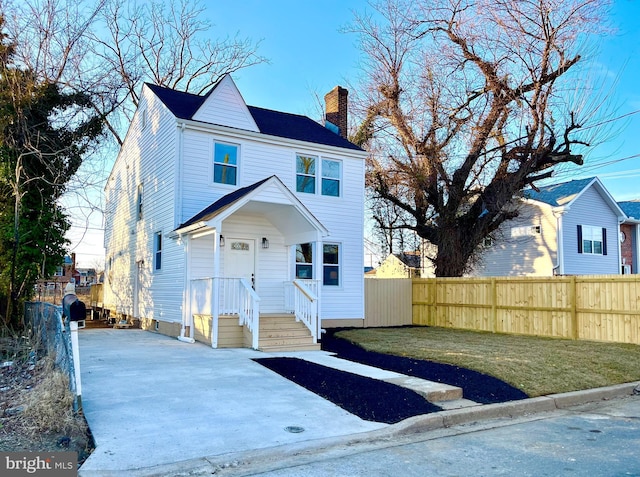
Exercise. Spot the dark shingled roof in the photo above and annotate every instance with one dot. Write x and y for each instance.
(222, 202)
(631, 208)
(558, 194)
(272, 123)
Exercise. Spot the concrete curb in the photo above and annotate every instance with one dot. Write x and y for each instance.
(511, 409)
(414, 425)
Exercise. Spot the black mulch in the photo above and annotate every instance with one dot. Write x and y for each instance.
(369, 399)
(378, 401)
(476, 386)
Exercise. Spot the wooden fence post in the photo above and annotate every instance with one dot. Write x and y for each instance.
(575, 333)
(494, 305)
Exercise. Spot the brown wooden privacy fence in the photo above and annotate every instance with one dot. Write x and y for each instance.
(603, 307)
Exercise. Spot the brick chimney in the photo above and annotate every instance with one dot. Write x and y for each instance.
(336, 109)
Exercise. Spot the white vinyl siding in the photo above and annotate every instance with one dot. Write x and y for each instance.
(226, 107)
(147, 157)
(590, 209)
(524, 246)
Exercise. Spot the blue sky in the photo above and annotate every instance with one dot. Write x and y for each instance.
(309, 55)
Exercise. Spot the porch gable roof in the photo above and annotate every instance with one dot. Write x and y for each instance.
(233, 201)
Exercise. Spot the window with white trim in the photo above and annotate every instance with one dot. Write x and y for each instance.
(318, 175)
(330, 264)
(225, 163)
(525, 231)
(306, 174)
(331, 174)
(139, 202)
(157, 251)
(304, 260)
(592, 240)
(59, 272)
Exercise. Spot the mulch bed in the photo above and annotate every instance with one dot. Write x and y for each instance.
(367, 398)
(476, 386)
(374, 400)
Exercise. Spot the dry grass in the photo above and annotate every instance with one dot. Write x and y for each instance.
(537, 366)
(48, 407)
(36, 405)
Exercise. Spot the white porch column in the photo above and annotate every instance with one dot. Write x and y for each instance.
(318, 277)
(215, 299)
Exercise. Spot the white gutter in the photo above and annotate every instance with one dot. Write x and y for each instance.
(234, 133)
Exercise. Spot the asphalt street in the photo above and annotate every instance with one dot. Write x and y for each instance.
(598, 439)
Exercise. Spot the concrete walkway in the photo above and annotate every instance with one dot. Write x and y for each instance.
(158, 406)
(150, 399)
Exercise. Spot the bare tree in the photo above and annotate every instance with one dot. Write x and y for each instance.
(108, 48)
(469, 100)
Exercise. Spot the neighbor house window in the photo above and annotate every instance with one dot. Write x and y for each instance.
(157, 251)
(59, 272)
(331, 177)
(139, 202)
(330, 264)
(225, 163)
(592, 240)
(304, 260)
(306, 174)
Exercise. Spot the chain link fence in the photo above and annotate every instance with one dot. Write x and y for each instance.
(55, 337)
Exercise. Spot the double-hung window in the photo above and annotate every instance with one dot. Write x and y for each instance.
(157, 251)
(304, 260)
(311, 169)
(592, 240)
(306, 174)
(331, 178)
(139, 201)
(225, 163)
(331, 264)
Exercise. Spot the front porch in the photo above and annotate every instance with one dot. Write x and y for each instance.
(237, 322)
(242, 255)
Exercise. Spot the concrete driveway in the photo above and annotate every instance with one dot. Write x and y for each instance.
(151, 400)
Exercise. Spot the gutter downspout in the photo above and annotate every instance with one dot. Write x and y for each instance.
(620, 221)
(187, 317)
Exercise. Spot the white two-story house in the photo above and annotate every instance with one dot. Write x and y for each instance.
(235, 225)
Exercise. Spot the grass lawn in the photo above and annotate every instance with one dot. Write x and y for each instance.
(537, 366)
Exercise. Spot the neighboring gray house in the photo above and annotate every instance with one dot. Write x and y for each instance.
(570, 228)
(629, 236)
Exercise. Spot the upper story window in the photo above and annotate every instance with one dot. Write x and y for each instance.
(331, 175)
(143, 119)
(331, 264)
(225, 163)
(157, 251)
(592, 240)
(304, 260)
(306, 174)
(59, 272)
(310, 168)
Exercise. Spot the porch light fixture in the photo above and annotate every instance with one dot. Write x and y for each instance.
(265, 242)
(222, 240)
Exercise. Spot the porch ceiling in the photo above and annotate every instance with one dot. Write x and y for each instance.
(290, 222)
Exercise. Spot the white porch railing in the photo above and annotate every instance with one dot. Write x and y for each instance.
(235, 297)
(249, 311)
(305, 305)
